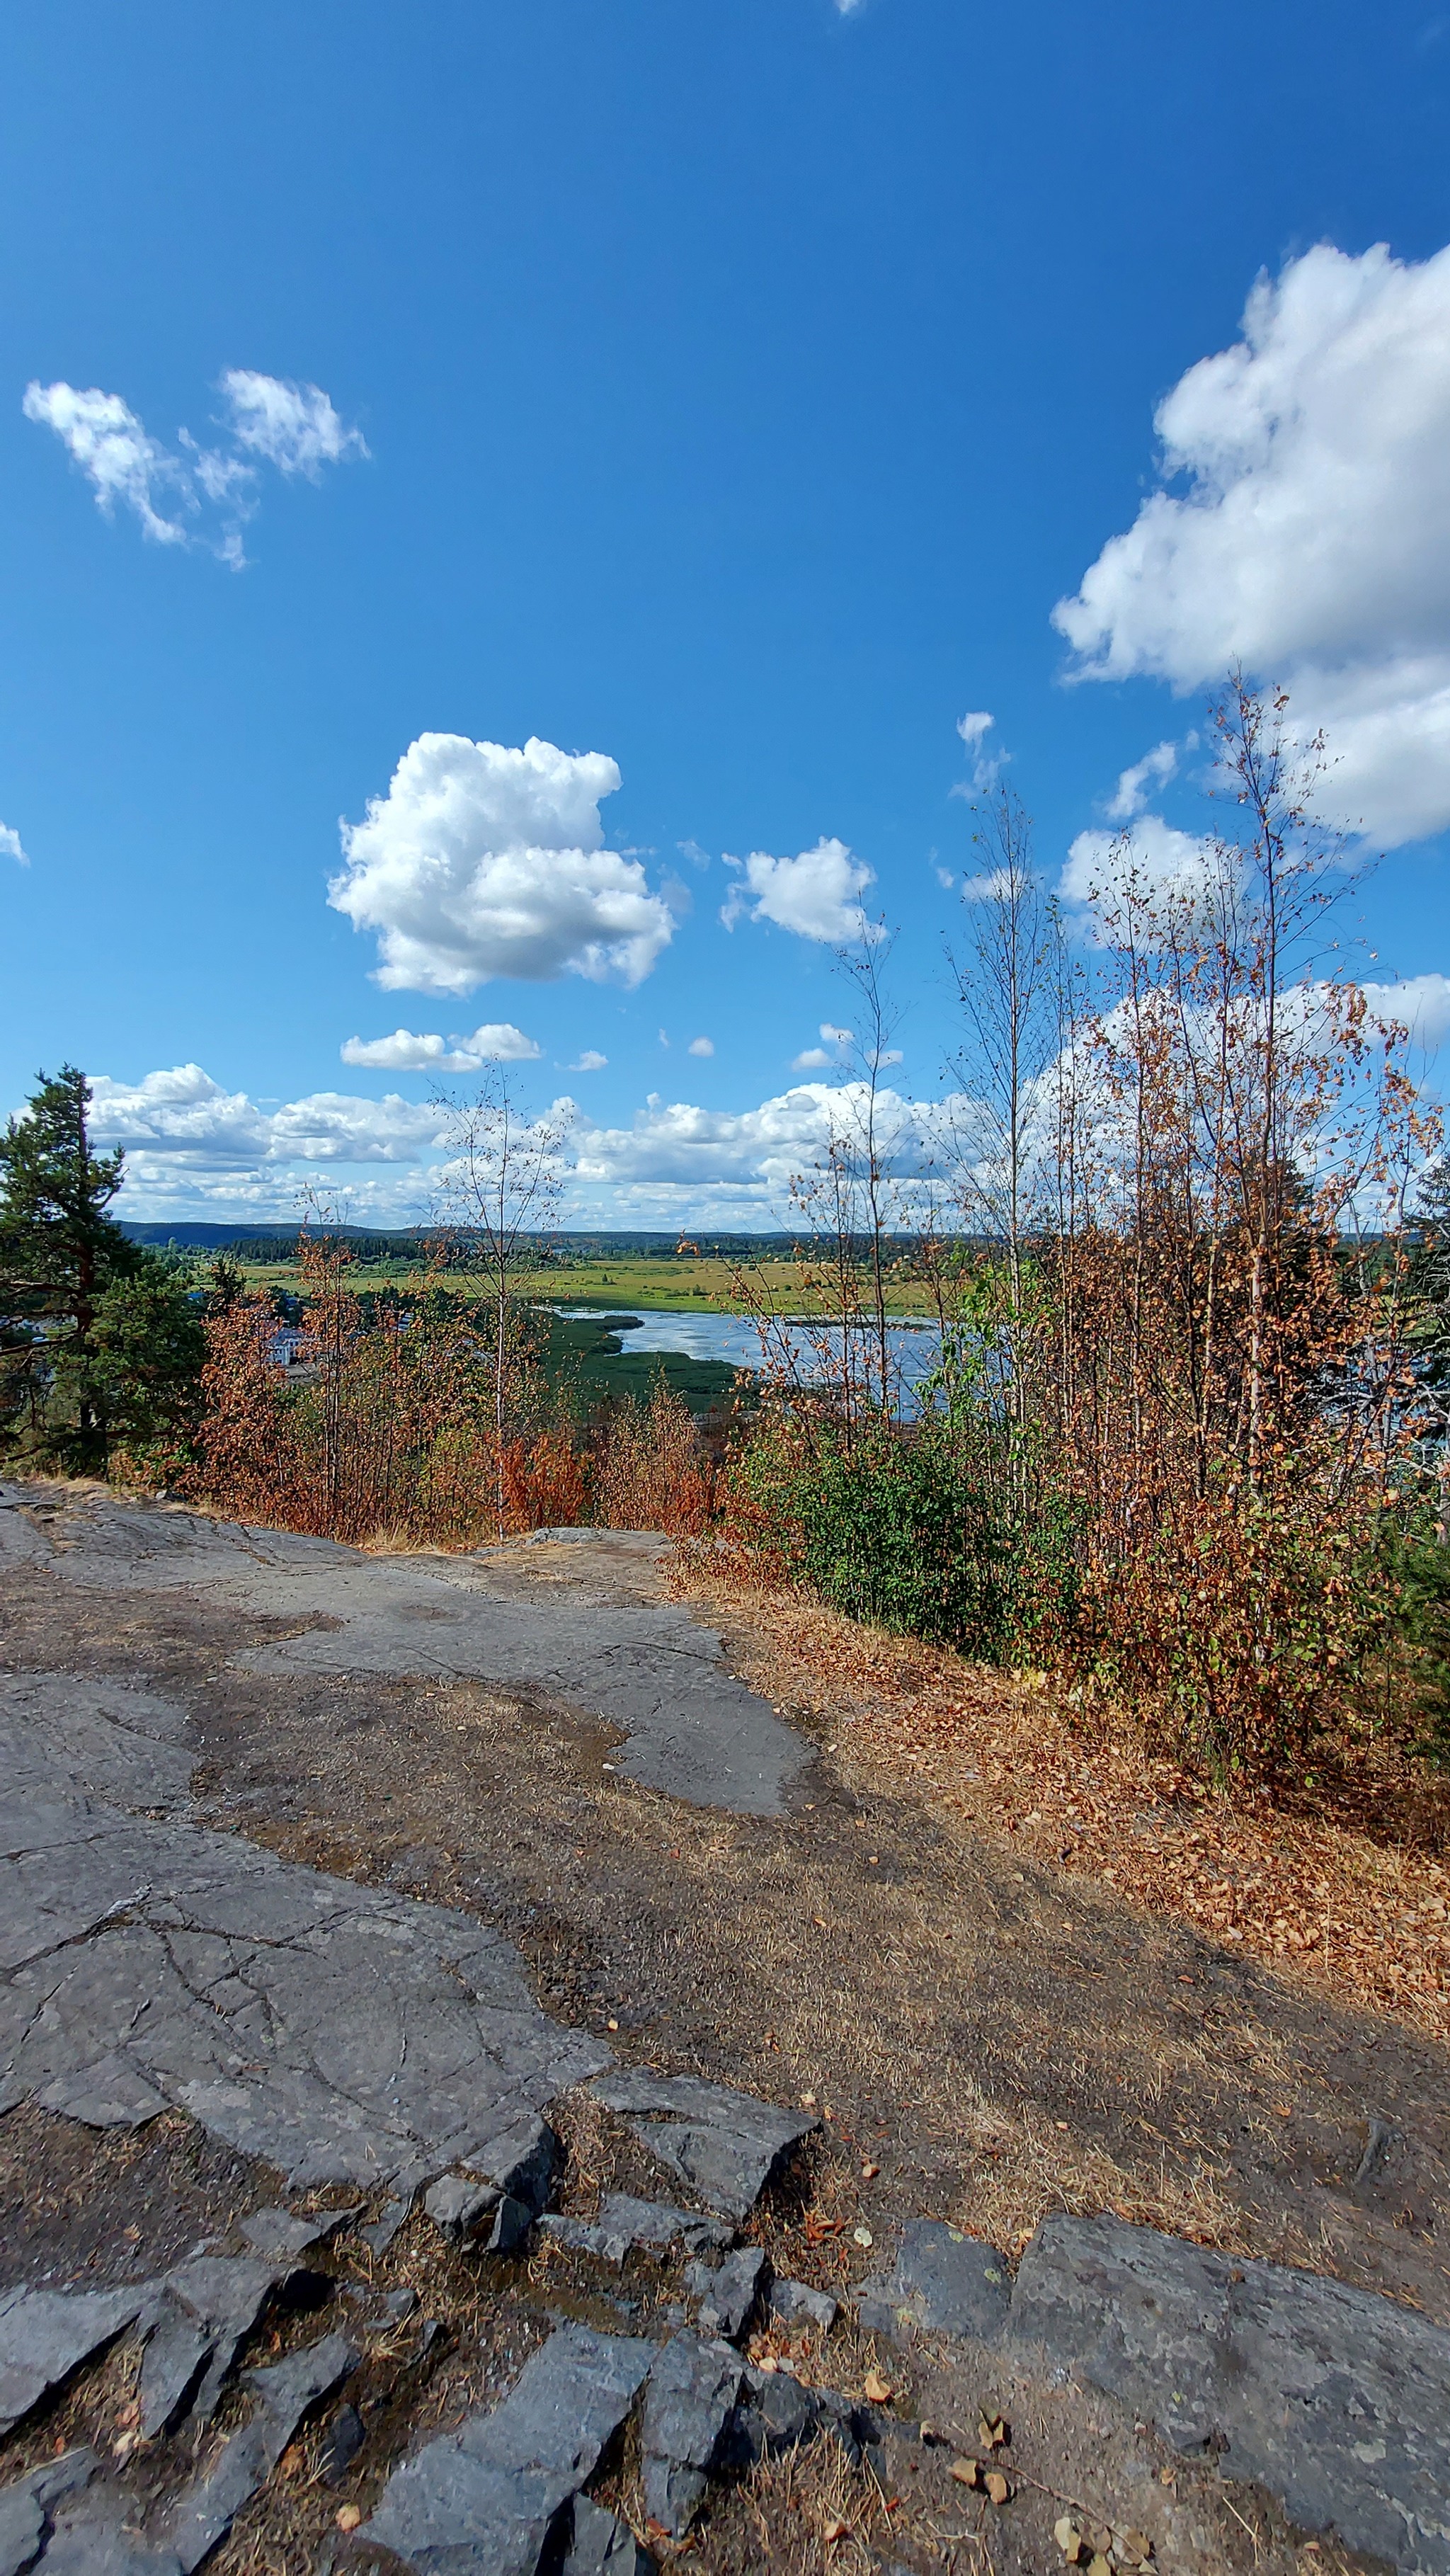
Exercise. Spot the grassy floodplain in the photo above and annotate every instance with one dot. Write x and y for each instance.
(591, 1353)
(624, 1283)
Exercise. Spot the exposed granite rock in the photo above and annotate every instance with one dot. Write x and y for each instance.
(280, 2236)
(688, 2404)
(727, 2292)
(602, 2545)
(457, 2206)
(485, 2501)
(26, 2507)
(343, 2034)
(623, 2222)
(724, 2144)
(943, 2283)
(1337, 2400)
(287, 2390)
(46, 2334)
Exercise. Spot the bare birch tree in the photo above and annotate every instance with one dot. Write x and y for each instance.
(504, 1180)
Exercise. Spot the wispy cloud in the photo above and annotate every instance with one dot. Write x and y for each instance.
(10, 845)
(974, 728)
(1143, 780)
(195, 494)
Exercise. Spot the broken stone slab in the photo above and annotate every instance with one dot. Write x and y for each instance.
(110, 2094)
(280, 2235)
(796, 2304)
(22, 2528)
(346, 2435)
(602, 2545)
(486, 2500)
(287, 2390)
(290, 2388)
(95, 2539)
(944, 2282)
(27, 2505)
(652, 2225)
(178, 2349)
(689, 2401)
(46, 2334)
(388, 2226)
(521, 2161)
(727, 2291)
(209, 2507)
(457, 2206)
(778, 2414)
(222, 2295)
(724, 2144)
(1337, 2400)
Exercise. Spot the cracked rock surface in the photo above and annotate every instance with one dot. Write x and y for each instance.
(342, 2034)
(192, 2006)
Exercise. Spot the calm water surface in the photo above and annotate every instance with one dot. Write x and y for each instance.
(734, 1339)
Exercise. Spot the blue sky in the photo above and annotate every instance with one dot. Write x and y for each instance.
(728, 389)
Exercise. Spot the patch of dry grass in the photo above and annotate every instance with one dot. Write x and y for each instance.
(1344, 1889)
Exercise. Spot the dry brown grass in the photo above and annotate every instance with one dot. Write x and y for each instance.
(1345, 1890)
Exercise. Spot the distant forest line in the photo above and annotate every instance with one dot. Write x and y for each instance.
(279, 1242)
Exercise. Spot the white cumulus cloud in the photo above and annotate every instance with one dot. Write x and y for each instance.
(1310, 540)
(816, 1059)
(10, 845)
(181, 1119)
(1152, 853)
(498, 1042)
(484, 861)
(1420, 1004)
(194, 494)
(591, 1061)
(817, 895)
(701, 1046)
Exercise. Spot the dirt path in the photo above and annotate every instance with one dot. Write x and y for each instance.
(984, 2040)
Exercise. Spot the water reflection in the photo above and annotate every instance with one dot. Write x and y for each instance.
(734, 1339)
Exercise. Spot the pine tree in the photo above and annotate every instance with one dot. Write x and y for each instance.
(99, 1340)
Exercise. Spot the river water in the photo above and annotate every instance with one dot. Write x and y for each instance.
(734, 1339)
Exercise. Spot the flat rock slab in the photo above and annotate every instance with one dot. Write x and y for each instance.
(341, 2034)
(943, 2283)
(688, 2404)
(487, 2500)
(647, 1668)
(725, 2145)
(624, 2222)
(46, 2334)
(1338, 2401)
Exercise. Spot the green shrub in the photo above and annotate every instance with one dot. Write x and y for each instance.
(1416, 1563)
(913, 1528)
